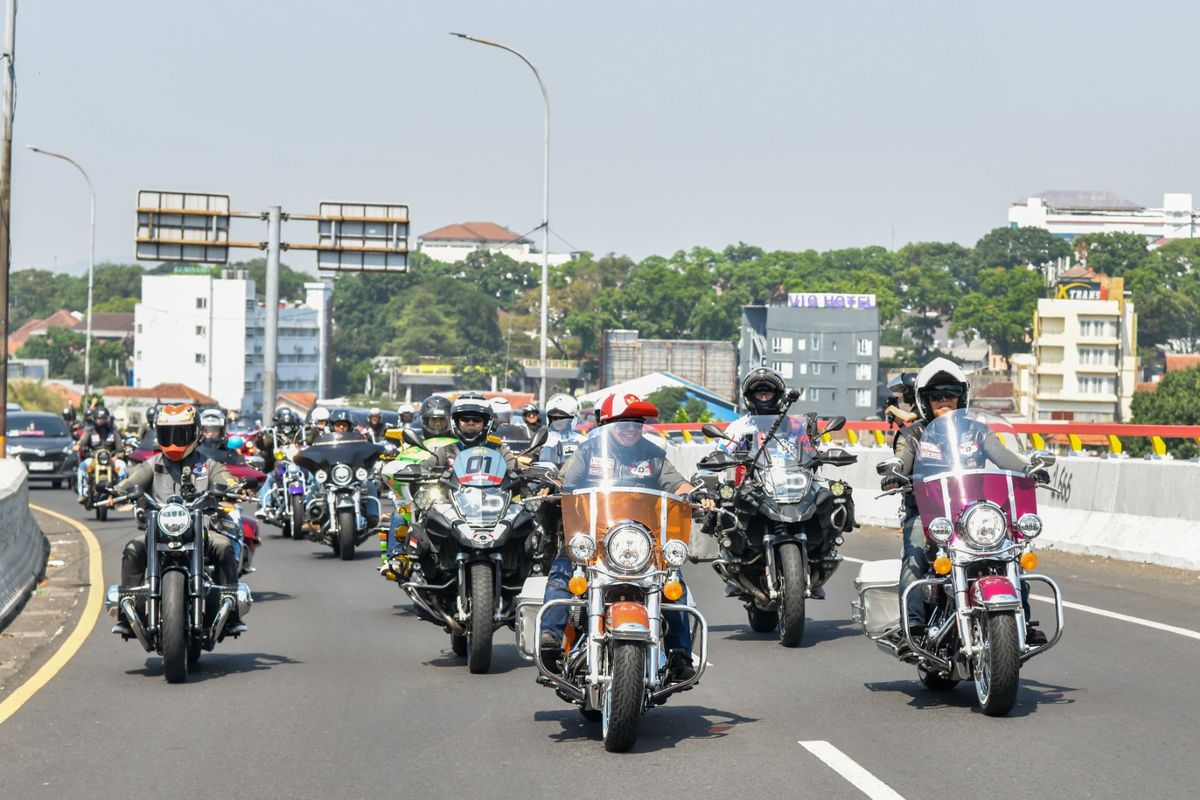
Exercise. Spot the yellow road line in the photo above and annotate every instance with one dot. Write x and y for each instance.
(91, 612)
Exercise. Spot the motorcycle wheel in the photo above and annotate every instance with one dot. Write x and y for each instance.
(296, 524)
(762, 621)
(935, 682)
(101, 513)
(791, 605)
(622, 712)
(997, 666)
(479, 634)
(591, 714)
(174, 627)
(346, 525)
(458, 644)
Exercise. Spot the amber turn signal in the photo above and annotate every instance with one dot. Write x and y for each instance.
(941, 565)
(383, 536)
(672, 590)
(577, 585)
(1029, 561)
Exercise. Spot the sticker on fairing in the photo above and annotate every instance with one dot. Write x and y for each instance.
(929, 450)
(968, 448)
(601, 466)
(642, 470)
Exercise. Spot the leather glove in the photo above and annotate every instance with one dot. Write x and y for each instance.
(1040, 475)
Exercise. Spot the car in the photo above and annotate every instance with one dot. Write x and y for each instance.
(15, 407)
(45, 446)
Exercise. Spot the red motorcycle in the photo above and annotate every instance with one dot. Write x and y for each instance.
(980, 521)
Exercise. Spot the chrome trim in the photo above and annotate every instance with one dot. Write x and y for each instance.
(661, 694)
(566, 687)
(1058, 614)
(135, 624)
(906, 632)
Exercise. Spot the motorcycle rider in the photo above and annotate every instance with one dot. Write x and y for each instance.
(341, 428)
(634, 445)
(406, 413)
(100, 433)
(318, 420)
(562, 413)
(285, 430)
(376, 427)
(168, 472)
(940, 388)
(435, 423)
(532, 417)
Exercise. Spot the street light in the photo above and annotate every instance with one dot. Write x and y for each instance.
(545, 199)
(87, 346)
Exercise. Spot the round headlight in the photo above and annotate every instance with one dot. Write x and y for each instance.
(837, 488)
(342, 474)
(984, 526)
(726, 492)
(628, 548)
(423, 500)
(582, 547)
(1030, 525)
(675, 552)
(174, 520)
(940, 530)
(361, 473)
(321, 476)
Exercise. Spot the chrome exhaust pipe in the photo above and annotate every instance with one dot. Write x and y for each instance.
(135, 624)
(218, 627)
(245, 600)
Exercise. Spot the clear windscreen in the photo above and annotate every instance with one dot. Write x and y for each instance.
(480, 507)
(619, 454)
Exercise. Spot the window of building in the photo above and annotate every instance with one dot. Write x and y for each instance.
(803, 393)
(816, 341)
(139, 327)
(201, 302)
(814, 395)
(1098, 327)
(816, 368)
(139, 355)
(201, 330)
(781, 344)
(1097, 384)
(862, 372)
(784, 368)
(801, 343)
(862, 397)
(865, 347)
(201, 358)
(833, 344)
(803, 367)
(1097, 356)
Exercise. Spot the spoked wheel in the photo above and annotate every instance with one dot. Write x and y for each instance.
(175, 626)
(483, 602)
(622, 712)
(295, 527)
(791, 605)
(997, 665)
(346, 526)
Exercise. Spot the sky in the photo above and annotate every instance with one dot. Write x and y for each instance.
(788, 125)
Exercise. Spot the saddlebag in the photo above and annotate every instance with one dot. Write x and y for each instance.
(528, 603)
(878, 588)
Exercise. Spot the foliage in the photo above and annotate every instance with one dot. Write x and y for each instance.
(1001, 311)
(34, 396)
(1019, 247)
(1114, 253)
(291, 282)
(1175, 401)
(64, 348)
(674, 405)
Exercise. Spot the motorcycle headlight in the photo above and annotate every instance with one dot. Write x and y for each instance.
(342, 474)
(940, 530)
(321, 476)
(837, 488)
(675, 552)
(66, 449)
(984, 526)
(361, 473)
(628, 547)
(174, 520)
(582, 548)
(1030, 525)
(726, 492)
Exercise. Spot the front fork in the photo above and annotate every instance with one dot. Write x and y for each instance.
(774, 583)
(464, 589)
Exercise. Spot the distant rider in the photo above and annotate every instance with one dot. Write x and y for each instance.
(99, 434)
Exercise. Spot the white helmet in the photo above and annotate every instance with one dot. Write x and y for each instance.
(407, 408)
(502, 410)
(212, 418)
(562, 406)
(942, 375)
(319, 414)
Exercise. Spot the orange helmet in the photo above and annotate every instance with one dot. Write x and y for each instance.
(625, 407)
(178, 430)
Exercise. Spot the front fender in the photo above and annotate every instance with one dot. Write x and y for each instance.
(995, 592)
(628, 620)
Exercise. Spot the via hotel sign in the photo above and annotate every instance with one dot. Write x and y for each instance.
(830, 300)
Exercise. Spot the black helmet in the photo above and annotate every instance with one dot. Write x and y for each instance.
(472, 404)
(763, 379)
(287, 419)
(151, 416)
(68, 414)
(902, 386)
(940, 377)
(435, 407)
(101, 416)
(340, 415)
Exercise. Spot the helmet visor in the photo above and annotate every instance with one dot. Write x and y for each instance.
(176, 435)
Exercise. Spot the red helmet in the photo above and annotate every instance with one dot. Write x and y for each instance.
(624, 407)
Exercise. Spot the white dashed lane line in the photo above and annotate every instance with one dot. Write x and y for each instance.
(851, 770)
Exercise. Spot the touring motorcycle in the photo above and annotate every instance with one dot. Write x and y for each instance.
(342, 466)
(981, 522)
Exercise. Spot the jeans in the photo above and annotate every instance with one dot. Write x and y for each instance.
(678, 635)
(81, 473)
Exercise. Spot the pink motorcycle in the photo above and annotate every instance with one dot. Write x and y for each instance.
(980, 520)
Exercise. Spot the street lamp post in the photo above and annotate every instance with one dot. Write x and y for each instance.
(87, 345)
(545, 201)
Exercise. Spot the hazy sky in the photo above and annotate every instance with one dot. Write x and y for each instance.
(673, 124)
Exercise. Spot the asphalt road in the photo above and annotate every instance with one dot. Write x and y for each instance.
(338, 691)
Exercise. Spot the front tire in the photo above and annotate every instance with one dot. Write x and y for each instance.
(346, 526)
(296, 524)
(101, 513)
(479, 634)
(622, 712)
(791, 605)
(174, 626)
(997, 665)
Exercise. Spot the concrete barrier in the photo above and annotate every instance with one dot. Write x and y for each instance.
(23, 548)
(1124, 508)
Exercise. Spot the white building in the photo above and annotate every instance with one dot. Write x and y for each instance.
(1070, 214)
(209, 333)
(454, 243)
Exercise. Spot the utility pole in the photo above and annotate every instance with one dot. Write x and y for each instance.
(271, 345)
(10, 38)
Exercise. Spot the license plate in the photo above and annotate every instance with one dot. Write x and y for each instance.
(41, 466)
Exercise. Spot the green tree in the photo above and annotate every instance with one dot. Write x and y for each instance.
(669, 400)
(1017, 247)
(36, 294)
(62, 347)
(1116, 253)
(34, 396)
(1175, 401)
(291, 282)
(1001, 312)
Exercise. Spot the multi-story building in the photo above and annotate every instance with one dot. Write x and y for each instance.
(209, 333)
(1084, 365)
(453, 243)
(710, 364)
(1071, 214)
(826, 345)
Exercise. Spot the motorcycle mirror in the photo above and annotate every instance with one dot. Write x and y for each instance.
(258, 462)
(793, 395)
(539, 439)
(395, 434)
(835, 424)
(414, 439)
(1044, 457)
(887, 466)
(712, 431)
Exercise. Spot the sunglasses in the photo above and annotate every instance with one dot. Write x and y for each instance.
(944, 393)
(478, 420)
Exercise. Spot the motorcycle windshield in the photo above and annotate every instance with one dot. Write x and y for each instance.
(481, 507)
(967, 456)
(325, 453)
(781, 458)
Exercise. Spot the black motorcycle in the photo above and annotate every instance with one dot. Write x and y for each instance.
(473, 548)
(343, 511)
(178, 611)
(781, 523)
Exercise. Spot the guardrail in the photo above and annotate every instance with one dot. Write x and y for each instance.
(23, 548)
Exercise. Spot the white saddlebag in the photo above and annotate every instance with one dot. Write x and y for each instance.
(878, 587)
(532, 592)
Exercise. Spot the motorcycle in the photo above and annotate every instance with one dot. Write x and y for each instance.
(178, 612)
(981, 522)
(341, 465)
(242, 527)
(395, 564)
(478, 554)
(778, 544)
(628, 544)
(287, 493)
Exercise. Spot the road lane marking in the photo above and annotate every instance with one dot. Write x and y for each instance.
(851, 770)
(87, 620)
(1146, 623)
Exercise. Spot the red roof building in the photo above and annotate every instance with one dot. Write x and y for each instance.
(162, 393)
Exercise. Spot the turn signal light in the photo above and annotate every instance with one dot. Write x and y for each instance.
(672, 590)
(1029, 561)
(577, 585)
(941, 565)
(383, 536)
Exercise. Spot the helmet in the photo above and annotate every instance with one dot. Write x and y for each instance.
(472, 404)
(374, 412)
(436, 407)
(212, 418)
(940, 376)
(624, 407)
(529, 408)
(341, 415)
(562, 406)
(407, 408)
(502, 409)
(101, 416)
(287, 419)
(318, 415)
(68, 414)
(151, 415)
(178, 429)
(902, 386)
(763, 379)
